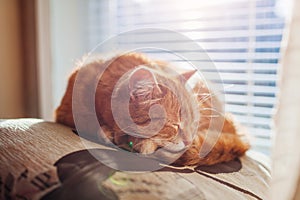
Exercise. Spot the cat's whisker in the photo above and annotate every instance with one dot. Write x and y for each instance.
(206, 97)
(210, 115)
(206, 94)
(213, 109)
(206, 108)
(203, 94)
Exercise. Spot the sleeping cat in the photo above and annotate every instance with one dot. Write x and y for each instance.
(141, 82)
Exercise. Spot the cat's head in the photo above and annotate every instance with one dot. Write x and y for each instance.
(148, 127)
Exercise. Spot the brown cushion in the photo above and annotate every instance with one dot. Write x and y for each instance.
(46, 160)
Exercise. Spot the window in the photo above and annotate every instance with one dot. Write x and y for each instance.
(241, 37)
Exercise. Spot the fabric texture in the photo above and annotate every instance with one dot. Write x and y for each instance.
(286, 151)
(45, 160)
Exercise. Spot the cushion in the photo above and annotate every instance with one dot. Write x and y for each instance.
(46, 160)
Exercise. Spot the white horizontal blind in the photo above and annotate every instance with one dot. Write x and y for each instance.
(241, 37)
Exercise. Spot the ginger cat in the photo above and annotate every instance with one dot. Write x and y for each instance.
(142, 85)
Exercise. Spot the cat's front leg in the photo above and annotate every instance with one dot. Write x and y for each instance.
(143, 146)
(147, 146)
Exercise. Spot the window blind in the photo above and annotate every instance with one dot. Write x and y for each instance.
(241, 37)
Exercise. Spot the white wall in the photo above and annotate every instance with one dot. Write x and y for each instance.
(11, 77)
(67, 41)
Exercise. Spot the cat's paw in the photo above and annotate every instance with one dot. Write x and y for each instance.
(147, 147)
(170, 152)
(175, 147)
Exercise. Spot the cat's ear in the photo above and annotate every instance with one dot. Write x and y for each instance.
(184, 77)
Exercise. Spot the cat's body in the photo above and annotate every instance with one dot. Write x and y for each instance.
(142, 83)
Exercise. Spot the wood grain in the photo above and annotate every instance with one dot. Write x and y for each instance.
(46, 160)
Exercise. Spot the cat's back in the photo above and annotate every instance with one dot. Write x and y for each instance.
(97, 76)
(117, 66)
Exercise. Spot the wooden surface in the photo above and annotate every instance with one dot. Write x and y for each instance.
(45, 160)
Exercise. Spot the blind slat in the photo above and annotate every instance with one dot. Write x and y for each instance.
(245, 109)
(254, 120)
(214, 23)
(244, 88)
(208, 35)
(245, 99)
